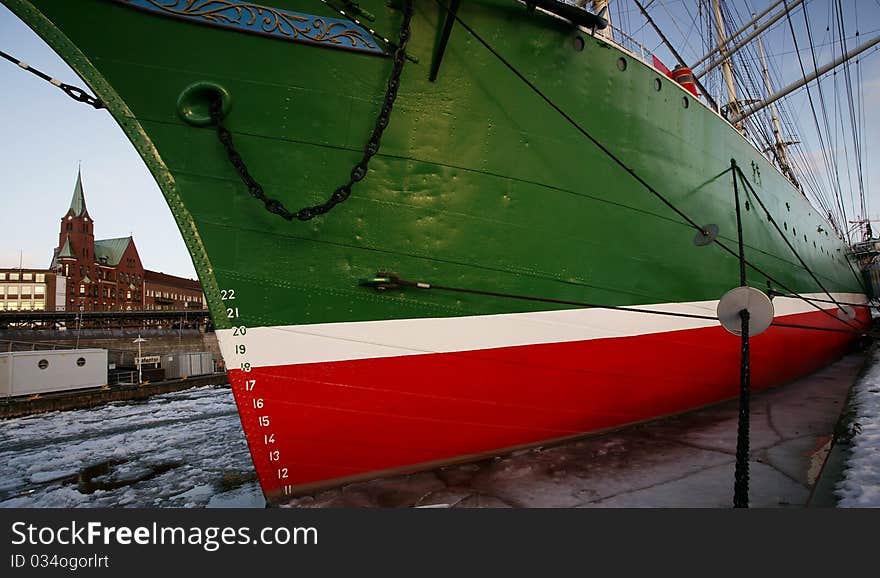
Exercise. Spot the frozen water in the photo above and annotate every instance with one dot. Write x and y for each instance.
(183, 449)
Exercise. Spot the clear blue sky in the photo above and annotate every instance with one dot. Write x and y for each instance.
(45, 135)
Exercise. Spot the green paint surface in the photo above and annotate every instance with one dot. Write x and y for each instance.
(478, 184)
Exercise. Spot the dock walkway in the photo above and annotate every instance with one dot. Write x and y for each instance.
(685, 461)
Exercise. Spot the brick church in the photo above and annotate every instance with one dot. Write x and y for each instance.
(107, 274)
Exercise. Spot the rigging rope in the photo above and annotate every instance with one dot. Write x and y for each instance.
(830, 159)
(854, 125)
(617, 160)
(384, 281)
(73, 92)
(781, 234)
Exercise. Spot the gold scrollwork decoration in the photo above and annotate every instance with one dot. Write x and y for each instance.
(250, 17)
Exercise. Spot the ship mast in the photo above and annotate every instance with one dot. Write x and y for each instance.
(779, 145)
(807, 79)
(732, 106)
(598, 7)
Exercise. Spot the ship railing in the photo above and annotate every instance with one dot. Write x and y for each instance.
(122, 378)
(630, 45)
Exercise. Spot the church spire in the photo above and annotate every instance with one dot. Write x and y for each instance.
(78, 202)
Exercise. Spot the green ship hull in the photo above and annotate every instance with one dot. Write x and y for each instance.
(479, 185)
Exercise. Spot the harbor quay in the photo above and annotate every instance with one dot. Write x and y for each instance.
(47, 369)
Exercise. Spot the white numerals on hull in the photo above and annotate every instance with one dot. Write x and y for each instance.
(262, 435)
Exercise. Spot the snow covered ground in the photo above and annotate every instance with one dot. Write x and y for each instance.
(183, 449)
(859, 486)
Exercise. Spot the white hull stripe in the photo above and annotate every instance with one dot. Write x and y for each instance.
(323, 342)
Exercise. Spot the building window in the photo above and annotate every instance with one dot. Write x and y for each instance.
(128, 295)
(27, 276)
(82, 289)
(2, 276)
(41, 277)
(13, 276)
(39, 290)
(13, 291)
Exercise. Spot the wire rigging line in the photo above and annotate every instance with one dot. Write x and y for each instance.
(830, 167)
(784, 238)
(74, 92)
(831, 135)
(385, 281)
(854, 125)
(617, 160)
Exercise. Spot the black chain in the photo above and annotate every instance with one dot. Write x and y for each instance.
(357, 173)
(74, 92)
(741, 471)
(254, 188)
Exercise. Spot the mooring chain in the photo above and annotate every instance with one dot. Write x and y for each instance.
(357, 173)
(74, 92)
(741, 470)
(254, 188)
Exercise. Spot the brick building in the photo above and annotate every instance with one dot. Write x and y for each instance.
(107, 274)
(163, 291)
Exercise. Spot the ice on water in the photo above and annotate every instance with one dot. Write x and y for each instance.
(183, 449)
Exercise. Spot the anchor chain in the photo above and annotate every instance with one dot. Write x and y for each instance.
(74, 92)
(358, 172)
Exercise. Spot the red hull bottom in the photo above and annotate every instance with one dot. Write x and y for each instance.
(339, 421)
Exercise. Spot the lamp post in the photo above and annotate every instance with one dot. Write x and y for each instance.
(139, 340)
(79, 323)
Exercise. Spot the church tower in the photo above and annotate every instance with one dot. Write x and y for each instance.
(102, 274)
(75, 254)
(77, 230)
